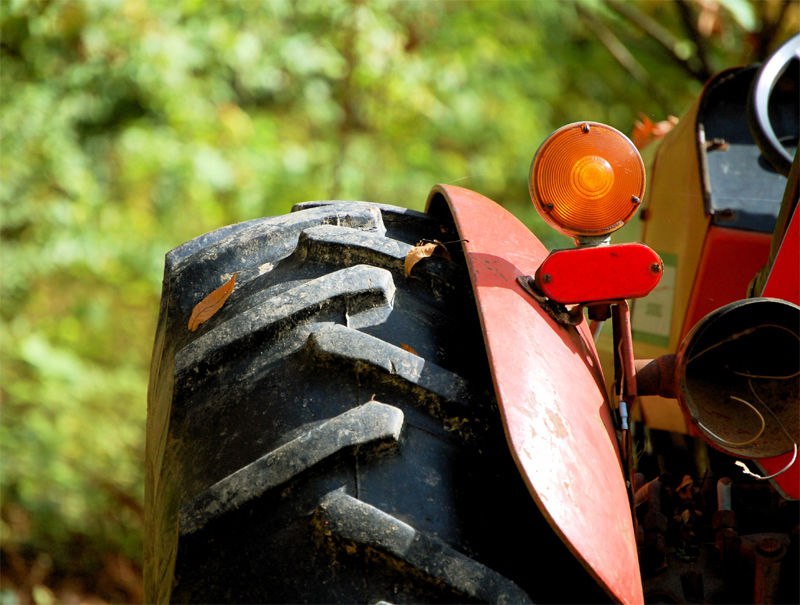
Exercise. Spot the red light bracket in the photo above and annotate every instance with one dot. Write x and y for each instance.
(599, 273)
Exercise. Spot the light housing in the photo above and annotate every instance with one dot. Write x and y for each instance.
(587, 179)
(736, 373)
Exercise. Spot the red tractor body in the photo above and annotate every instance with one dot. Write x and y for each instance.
(550, 388)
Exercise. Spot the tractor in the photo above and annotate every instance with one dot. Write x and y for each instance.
(361, 403)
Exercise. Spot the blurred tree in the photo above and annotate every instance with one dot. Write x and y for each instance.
(128, 127)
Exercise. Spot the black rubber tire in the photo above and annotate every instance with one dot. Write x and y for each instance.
(331, 434)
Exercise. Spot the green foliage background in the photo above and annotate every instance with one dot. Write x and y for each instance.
(131, 126)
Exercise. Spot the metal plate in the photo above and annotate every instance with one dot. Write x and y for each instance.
(552, 397)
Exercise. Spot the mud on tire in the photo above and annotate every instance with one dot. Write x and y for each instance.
(331, 435)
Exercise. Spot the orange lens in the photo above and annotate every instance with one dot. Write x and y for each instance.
(587, 179)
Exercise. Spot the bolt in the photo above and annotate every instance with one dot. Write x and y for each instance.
(636, 200)
(547, 278)
(769, 547)
(717, 145)
(655, 268)
(585, 127)
(769, 552)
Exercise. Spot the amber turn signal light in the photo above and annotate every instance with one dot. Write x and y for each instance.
(587, 179)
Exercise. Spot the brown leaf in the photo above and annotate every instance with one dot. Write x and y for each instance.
(645, 130)
(409, 348)
(206, 308)
(424, 249)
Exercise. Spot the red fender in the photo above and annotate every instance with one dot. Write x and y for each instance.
(552, 396)
(784, 282)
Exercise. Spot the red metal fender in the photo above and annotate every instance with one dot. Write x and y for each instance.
(784, 282)
(552, 396)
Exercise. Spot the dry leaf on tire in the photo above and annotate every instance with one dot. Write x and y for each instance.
(206, 308)
(424, 249)
(409, 348)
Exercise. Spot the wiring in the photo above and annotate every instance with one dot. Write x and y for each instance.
(750, 377)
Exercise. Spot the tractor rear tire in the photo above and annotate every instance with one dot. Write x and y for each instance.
(331, 434)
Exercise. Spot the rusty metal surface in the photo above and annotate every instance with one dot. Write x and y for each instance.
(550, 389)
